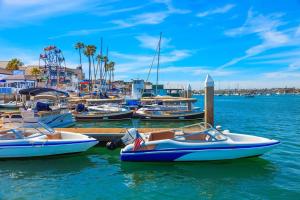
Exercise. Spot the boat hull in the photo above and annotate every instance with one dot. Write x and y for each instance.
(101, 117)
(9, 106)
(199, 154)
(47, 148)
(58, 120)
(189, 116)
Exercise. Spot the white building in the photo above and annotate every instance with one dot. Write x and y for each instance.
(13, 83)
(137, 88)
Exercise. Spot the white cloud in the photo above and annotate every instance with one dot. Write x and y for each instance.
(147, 41)
(282, 75)
(280, 55)
(150, 18)
(145, 19)
(266, 27)
(134, 62)
(110, 10)
(220, 10)
(171, 8)
(256, 23)
(297, 33)
(16, 12)
(292, 72)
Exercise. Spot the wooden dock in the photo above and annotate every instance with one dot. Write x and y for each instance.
(106, 134)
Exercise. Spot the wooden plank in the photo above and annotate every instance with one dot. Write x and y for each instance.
(107, 131)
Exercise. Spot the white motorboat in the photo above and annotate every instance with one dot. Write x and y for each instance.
(159, 112)
(108, 108)
(36, 139)
(46, 105)
(53, 118)
(199, 142)
(11, 105)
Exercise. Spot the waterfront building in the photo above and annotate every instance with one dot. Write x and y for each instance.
(137, 88)
(13, 83)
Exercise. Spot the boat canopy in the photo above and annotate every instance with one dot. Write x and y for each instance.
(47, 97)
(36, 91)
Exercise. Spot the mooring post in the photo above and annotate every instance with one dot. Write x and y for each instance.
(209, 100)
(189, 95)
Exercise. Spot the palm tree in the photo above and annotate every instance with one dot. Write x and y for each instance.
(79, 46)
(105, 68)
(35, 71)
(99, 59)
(14, 64)
(89, 52)
(111, 65)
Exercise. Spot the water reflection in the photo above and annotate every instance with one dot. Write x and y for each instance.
(53, 165)
(232, 170)
(135, 123)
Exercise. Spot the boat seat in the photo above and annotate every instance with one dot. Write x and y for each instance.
(56, 136)
(162, 135)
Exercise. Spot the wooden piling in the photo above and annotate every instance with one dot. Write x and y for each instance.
(209, 100)
(189, 95)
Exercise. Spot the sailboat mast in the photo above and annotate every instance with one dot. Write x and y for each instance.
(158, 59)
(101, 47)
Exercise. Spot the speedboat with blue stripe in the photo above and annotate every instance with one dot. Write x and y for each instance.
(199, 142)
(37, 139)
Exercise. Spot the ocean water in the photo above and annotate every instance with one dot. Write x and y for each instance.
(99, 174)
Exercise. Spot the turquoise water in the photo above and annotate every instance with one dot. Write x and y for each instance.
(98, 173)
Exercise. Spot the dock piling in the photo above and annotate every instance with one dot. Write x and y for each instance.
(189, 95)
(209, 100)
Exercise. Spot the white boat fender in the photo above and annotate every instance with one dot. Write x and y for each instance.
(225, 131)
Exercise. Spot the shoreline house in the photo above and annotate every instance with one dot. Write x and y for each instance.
(11, 81)
(11, 84)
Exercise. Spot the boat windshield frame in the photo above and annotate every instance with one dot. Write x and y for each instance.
(40, 127)
(205, 128)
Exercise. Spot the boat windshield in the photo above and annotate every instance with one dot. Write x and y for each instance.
(26, 130)
(36, 127)
(196, 131)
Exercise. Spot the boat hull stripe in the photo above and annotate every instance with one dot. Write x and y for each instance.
(201, 148)
(45, 143)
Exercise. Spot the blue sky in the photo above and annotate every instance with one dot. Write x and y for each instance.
(249, 44)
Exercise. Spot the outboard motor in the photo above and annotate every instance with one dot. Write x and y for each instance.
(128, 138)
(80, 107)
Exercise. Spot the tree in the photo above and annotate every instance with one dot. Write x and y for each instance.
(99, 59)
(35, 71)
(14, 64)
(79, 46)
(89, 53)
(111, 69)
